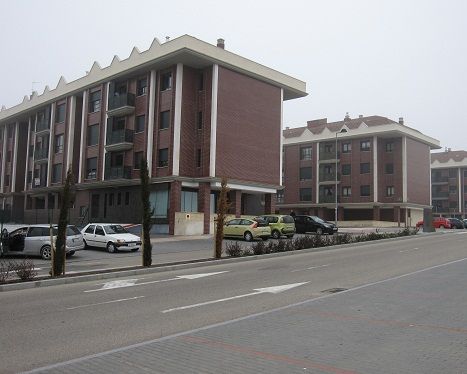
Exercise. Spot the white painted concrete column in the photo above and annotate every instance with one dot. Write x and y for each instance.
(71, 135)
(281, 162)
(404, 169)
(152, 106)
(82, 143)
(2, 177)
(105, 129)
(51, 138)
(431, 187)
(214, 93)
(375, 169)
(317, 172)
(26, 167)
(177, 120)
(15, 158)
(461, 192)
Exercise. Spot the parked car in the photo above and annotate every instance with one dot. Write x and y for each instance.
(248, 229)
(464, 221)
(304, 224)
(281, 225)
(35, 240)
(111, 236)
(456, 223)
(438, 223)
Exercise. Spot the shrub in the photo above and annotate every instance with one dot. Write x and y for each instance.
(25, 270)
(259, 248)
(280, 246)
(234, 249)
(5, 268)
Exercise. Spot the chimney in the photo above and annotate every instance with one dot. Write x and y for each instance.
(360, 116)
(287, 128)
(221, 43)
(347, 117)
(401, 120)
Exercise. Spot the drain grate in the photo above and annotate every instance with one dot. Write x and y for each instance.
(334, 290)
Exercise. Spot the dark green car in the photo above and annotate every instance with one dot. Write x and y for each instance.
(281, 225)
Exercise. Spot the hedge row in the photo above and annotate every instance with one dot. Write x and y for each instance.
(235, 249)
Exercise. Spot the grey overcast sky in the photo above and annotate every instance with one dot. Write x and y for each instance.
(373, 57)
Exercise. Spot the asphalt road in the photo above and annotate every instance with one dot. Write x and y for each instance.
(53, 324)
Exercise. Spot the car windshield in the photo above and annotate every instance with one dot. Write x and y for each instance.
(317, 219)
(72, 230)
(115, 229)
(288, 219)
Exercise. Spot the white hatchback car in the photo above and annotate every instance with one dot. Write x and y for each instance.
(111, 236)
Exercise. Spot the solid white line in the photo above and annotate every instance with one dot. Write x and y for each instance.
(105, 302)
(407, 250)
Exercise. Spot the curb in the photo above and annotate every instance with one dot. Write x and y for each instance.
(160, 268)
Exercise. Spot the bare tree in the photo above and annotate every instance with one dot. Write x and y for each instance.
(222, 208)
(146, 219)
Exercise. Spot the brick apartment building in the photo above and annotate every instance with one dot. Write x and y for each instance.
(195, 111)
(449, 183)
(383, 170)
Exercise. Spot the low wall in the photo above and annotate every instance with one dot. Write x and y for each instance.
(367, 224)
(188, 223)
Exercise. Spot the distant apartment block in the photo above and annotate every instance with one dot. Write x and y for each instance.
(195, 111)
(449, 183)
(381, 168)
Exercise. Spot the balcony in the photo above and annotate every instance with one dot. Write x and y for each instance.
(439, 180)
(41, 155)
(327, 199)
(121, 105)
(39, 183)
(440, 195)
(117, 172)
(327, 156)
(42, 125)
(329, 177)
(119, 140)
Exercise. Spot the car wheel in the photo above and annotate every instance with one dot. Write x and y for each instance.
(111, 248)
(85, 244)
(276, 234)
(248, 237)
(134, 249)
(441, 226)
(319, 231)
(69, 254)
(46, 252)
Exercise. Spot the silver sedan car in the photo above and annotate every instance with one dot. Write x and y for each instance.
(35, 240)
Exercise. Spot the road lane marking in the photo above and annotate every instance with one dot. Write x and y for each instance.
(105, 302)
(132, 282)
(411, 249)
(310, 268)
(258, 291)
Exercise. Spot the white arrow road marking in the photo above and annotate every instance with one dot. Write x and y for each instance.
(105, 302)
(258, 291)
(132, 282)
(310, 268)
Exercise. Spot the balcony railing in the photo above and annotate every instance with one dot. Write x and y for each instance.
(121, 104)
(439, 180)
(327, 199)
(324, 155)
(117, 172)
(440, 195)
(120, 136)
(38, 182)
(329, 177)
(42, 125)
(41, 154)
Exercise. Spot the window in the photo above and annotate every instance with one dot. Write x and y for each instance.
(60, 116)
(346, 169)
(163, 157)
(7, 180)
(111, 199)
(346, 191)
(305, 174)
(198, 158)
(127, 198)
(91, 168)
(465, 189)
(138, 157)
(365, 190)
(31, 150)
(389, 146)
(93, 135)
(364, 168)
(119, 198)
(305, 153)
(201, 82)
(166, 81)
(56, 173)
(365, 145)
(142, 86)
(189, 201)
(452, 204)
(305, 194)
(452, 189)
(59, 143)
(390, 191)
(328, 148)
(328, 169)
(346, 147)
(100, 231)
(95, 102)
(280, 196)
(452, 173)
(389, 169)
(140, 123)
(82, 211)
(328, 191)
(465, 173)
(200, 120)
(165, 120)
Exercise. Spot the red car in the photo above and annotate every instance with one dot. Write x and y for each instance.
(438, 223)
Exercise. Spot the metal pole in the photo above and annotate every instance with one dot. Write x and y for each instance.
(335, 190)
